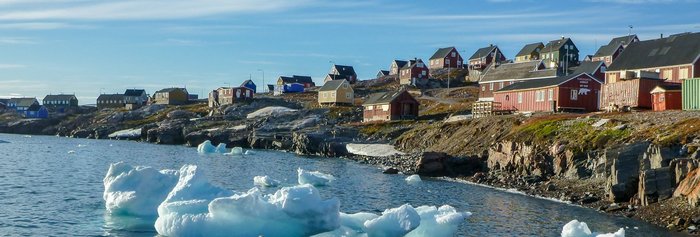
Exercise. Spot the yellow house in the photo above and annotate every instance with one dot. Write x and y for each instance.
(336, 92)
(171, 96)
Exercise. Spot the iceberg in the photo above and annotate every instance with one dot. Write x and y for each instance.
(314, 177)
(196, 208)
(438, 222)
(413, 179)
(136, 191)
(393, 222)
(265, 181)
(580, 229)
(221, 148)
(206, 147)
(236, 151)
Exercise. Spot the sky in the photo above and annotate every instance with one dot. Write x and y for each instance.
(88, 47)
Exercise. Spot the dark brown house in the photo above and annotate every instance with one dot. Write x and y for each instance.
(110, 101)
(414, 73)
(387, 106)
(446, 58)
(485, 56)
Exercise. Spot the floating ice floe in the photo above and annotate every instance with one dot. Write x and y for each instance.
(373, 150)
(579, 229)
(194, 207)
(265, 181)
(236, 151)
(27, 136)
(313, 177)
(270, 111)
(206, 147)
(82, 145)
(221, 148)
(413, 179)
(136, 191)
(71, 152)
(248, 152)
(126, 134)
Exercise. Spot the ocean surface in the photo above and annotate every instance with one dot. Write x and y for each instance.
(51, 186)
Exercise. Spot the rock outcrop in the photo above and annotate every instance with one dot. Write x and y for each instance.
(655, 185)
(689, 187)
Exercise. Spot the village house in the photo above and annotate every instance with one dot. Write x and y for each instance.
(577, 92)
(110, 101)
(36, 111)
(388, 106)
(500, 76)
(135, 97)
(336, 92)
(342, 72)
(667, 96)
(250, 84)
(60, 103)
(306, 81)
(446, 58)
(414, 73)
(608, 53)
(482, 59)
(644, 65)
(382, 73)
(560, 53)
(691, 94)
(530, 52)
(229, 95)
(20, 105)
(396, 65)
(171, 96)
(596, 69)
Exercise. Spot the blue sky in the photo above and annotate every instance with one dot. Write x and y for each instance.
(87, 47)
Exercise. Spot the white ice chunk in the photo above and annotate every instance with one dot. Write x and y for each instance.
(206, 147)
(236, 151)
(580, 229)
(438, 222)
(265, 181)
(126, 134)
(373, 150)
(71, 152)
(137, 190)
(393, 222)
(413, 179)
(221, 148)
(314, 177)
(249, 152)
(270, 111)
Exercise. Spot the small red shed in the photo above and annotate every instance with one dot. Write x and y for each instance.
(387, 106)
(567, 93)
(667, 96)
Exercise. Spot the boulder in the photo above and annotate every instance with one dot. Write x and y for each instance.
(655, 185)
(432, 163)
(689, 187)
(167, 133)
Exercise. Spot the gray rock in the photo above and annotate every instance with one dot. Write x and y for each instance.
(655, 185)
(622, 183)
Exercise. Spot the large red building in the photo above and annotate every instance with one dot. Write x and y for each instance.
(566, 93)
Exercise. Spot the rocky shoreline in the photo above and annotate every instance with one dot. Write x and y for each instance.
(610, 168)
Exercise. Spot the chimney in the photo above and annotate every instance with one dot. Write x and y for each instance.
(490, 45)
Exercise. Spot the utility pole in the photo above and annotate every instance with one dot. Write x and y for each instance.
(263, 79)
(630, 26)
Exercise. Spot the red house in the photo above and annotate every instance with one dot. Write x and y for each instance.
(414, 73)
(387, 106)
(499, 76)
(446, 58)
(485, 56)
(667, 96)
(567, 93)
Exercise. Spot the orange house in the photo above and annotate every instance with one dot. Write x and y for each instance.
(667, 96)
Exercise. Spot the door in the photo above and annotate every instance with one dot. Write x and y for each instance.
(405, 110)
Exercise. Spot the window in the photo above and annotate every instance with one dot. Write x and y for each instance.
(332, 94)
(539, 96)
(348, 95)
(424, 73)
(662, 97)
(483, 88)
(447, 61)
(491, 86)
(574, 94)
(385, 107)
(500, 85)
(668, 74)
(370, 107)
(683, 73)
(551, 94)
(454, 54)
(520, 97)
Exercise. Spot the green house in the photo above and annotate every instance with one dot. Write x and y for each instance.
(691, 94)
(560, 53)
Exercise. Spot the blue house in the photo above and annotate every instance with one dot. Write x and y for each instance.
(21, 105)
(289, 88)
(250, 84)
(37, 111)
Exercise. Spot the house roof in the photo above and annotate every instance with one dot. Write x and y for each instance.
(482, 52)
(24, 102)
(134, 92)
(383, 72)
(675, 50)
(589, 67)
(60, 97)
(554, 45)
(168, 90)
(345, 70)
(442, 52)
(413, 63)
(246, 82)
(517, 71)
(528, 49)
(623, 40)
(383, 97)
(539, 83)
(34, 107)
(409, 64)
(400, 63)
(337, 77)
(296, 79)
(111, 97)
(667, 87)
(332, 85)
(607, 50)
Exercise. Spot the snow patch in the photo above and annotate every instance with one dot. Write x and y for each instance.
(580, 229)
(413, 179)
(373, 150)
(265, 181)
(239, 127)
(126, 134)
(314, 177)
(270, 111)
(136, 191)
(457, 118)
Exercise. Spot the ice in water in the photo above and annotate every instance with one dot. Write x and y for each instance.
(576, 228)
(314, 177)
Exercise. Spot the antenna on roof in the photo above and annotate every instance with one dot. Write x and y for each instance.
(630, 32)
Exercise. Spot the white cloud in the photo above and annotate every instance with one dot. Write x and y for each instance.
(11, 66)
(145, 9)
(16, 40)
(41, 26)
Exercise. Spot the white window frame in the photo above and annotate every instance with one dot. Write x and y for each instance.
(551, 94)
(520, 97)
(574, 94)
